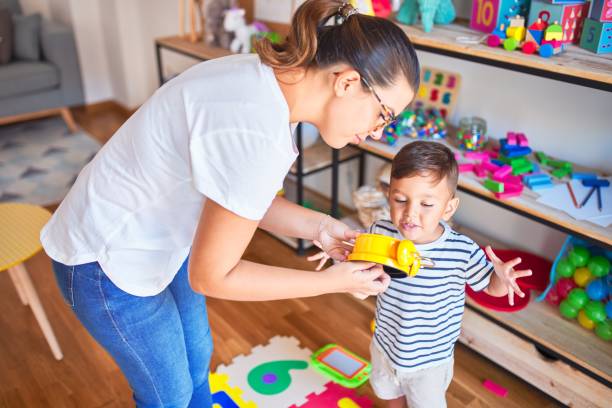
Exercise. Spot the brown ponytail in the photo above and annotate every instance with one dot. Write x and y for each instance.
(326, 32)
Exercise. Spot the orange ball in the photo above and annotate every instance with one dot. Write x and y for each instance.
(585, 321)
(583, 276)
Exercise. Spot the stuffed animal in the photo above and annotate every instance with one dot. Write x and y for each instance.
(214, 11)
(431, 11)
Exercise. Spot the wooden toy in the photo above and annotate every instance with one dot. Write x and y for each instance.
(487, 15)
(570, 17)
(399, 258)
(341, 366)
(601, 10)
(439, 89)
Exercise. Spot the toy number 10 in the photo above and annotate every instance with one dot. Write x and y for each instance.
(485, 12)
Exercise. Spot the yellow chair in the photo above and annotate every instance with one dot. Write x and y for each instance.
(20, 226)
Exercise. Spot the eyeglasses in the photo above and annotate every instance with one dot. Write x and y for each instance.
(386, 114)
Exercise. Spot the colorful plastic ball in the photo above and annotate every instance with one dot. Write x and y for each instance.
(585, 321)
(564, 286)
(595, 311)
(577, 298)
(546, 51)
(565, 268)
(599, 266)
(604, 330)
(597, 289)
(552, 297)
(609, 310)
(493, 40)
(583, 277)
(567, 310)
(579, 256)
(510, 44)
(529, 47)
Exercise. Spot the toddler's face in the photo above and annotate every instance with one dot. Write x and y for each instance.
(418, 204)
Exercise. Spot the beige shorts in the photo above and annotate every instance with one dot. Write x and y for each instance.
(423, 388)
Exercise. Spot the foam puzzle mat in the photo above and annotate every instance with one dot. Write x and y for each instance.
(276, 375)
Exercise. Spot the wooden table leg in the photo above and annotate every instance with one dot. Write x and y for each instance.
(18, 286)
(32, 297)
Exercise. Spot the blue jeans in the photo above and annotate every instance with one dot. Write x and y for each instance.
(162, 343)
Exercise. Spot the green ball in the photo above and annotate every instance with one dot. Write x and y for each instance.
(579, 256)
(578, 298)
(599, 266)
(567, 310)
(565, 268)
(510, 44)
(595, 311)
(604, 330)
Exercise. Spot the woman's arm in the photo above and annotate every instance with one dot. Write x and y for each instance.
(292, 220)
(216, 268)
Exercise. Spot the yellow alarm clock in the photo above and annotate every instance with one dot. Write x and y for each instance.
(399, 257)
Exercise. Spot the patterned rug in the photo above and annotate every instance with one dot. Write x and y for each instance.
(40, 160)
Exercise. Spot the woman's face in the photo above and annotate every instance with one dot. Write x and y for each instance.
(353, 112)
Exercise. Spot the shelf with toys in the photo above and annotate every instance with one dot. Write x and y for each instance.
(575, 65)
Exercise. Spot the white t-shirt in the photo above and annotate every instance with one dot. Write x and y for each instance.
(220, 130)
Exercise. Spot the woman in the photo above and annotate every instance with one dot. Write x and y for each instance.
(162, 215)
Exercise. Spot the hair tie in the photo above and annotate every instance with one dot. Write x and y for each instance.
(347, 10)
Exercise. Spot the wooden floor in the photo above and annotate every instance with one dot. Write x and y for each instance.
(87, 377)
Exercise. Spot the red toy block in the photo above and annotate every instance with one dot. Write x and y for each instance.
(502, 172)
(512, 188)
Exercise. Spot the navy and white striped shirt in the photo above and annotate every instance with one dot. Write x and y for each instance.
(418, 319)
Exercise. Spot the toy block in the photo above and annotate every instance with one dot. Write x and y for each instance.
(494, 186)
(542, 186)
(522, 140)
(519, 161)
(476, 155)
(542, 158)
(560, 172)
(512, 188)
(535, 167)
(466, 167)
(480, 171)
(560, 164)
(569, 16)
(597, 36)
(596, 183)
(583, 176)
(516, 151)
(502, 172)
(511, 139)
(505, 195)
(516, 29)
(601, 10)
(534, 178)
(490, 166)
(553, 32)
(498, 162)
(487, 15)
(521, 169)
(510, 179)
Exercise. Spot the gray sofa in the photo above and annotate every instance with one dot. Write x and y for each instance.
(37, 88)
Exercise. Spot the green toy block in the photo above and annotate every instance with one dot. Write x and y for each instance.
(519, 162)
(560, 173)
(494, 186)
(522, 169)
(560, 164)
(596, 36)
(542, 158)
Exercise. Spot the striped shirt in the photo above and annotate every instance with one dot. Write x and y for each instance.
(418, 319)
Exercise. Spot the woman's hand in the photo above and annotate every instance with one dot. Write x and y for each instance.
(332, 236)
(361, 279)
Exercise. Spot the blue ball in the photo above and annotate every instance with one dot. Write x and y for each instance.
(609, 310)
(597, 289)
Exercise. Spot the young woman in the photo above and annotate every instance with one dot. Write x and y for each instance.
(162, 215)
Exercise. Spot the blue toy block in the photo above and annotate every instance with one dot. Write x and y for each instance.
(596, 183)
(511, 151)
(497, 162)
(583, 176)
(543, 186)
(535, 168)
(597, 36)
(534, 178)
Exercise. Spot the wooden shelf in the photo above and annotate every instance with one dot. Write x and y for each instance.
(195, 50)
(576, 65)
(319, 156)
(526, 204)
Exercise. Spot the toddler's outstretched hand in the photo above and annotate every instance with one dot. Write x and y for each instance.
(507, 275)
